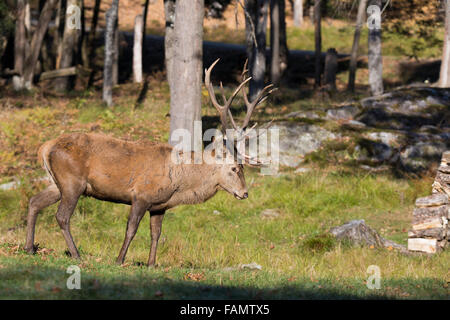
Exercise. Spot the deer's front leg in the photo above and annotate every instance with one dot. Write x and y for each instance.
(156, 218)
(138, 209)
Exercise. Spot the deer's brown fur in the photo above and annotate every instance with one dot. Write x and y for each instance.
(141, 174)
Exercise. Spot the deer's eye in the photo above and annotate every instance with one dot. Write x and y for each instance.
(234, 169)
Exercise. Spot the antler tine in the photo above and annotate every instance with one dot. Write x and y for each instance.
(223, 110)
(263, 94)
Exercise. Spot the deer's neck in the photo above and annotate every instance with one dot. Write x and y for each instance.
(195, 183)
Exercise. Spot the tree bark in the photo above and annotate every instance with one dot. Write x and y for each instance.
(169, 37)
(444, 77)
(275, 70)
(298, 13)
(36, 42)
(19, 45)
(111, 20)
(354, 54)
(137, 49)
(284, 51)
(257, 10)
(72, 32)
(375, 59)
(318, 43)
(330, 70)
(115, 70)
(187, 70)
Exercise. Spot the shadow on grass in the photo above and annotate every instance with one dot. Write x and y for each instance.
(45, 282)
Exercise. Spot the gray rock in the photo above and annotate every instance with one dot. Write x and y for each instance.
(303, 115)
(302, 170)
(342, 113)
(420, 155)
(297, 140)
(354, 124)
(270, 213)
(359, 233)
(388, 138)
(251, 266)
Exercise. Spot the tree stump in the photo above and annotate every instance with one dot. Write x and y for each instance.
(331, 66)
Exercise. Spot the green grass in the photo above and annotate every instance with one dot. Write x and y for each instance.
(298, 260)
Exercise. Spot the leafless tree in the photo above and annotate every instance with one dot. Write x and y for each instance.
(354, 55)
(318, 42)
(298, 13)
(111, 22)
(186, 69)
(255, 29)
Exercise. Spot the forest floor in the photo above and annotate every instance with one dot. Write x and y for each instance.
(203, 246)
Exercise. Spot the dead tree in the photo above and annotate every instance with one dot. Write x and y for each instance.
(255, 30)
(354, 55)
(72, 33)
(111, 20)
(444, 77)
(375, 59)
(186, 79)
(137, 49)
(28, 58)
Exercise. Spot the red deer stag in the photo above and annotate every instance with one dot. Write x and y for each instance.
(140, 174)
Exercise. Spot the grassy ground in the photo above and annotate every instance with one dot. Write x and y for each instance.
(200, 251)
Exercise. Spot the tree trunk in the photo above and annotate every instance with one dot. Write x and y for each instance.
(298, 13)
(186, 86)
(257, 10)
(275, 71)
(375, 58)
(137, 49)
(318, 43)
(169, 37)
(72, 32)
(354, 55)
(36, 42)
(444, 77)
(111, 20)
(144, 26)
(330, 70)
(284, 51)
(19, 45)
(115, 70)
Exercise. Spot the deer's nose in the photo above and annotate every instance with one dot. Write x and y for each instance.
(245, 195)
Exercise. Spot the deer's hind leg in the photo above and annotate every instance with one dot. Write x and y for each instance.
(38, 202)
(156, 218)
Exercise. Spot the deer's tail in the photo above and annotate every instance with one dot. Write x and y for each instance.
(43, 156)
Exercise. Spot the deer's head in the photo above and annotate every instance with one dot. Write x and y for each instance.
(231, 162)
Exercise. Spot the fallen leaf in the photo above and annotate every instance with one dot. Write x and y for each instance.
(159, 293)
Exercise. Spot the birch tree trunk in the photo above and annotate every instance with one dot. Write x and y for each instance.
(111, 20)
(186, 71)
(444, 77)
(19, 45)
(72, 32)
(137, 48)
(375, 58)
(256, 31)
(115, 69)
(354, 55)
(169, 38)
(298, 13)
(318, 43)
(284, 51)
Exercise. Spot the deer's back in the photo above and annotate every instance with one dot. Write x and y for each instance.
(112, 169)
